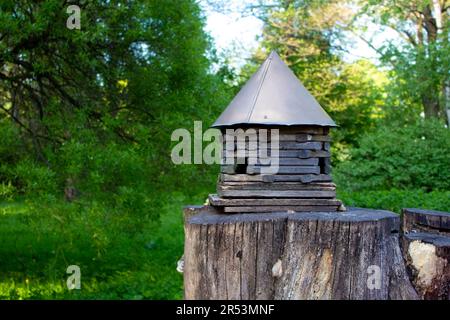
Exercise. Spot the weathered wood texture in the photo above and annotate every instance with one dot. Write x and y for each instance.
(302, 137)
(277, 186)
(281, 145)
(279, 208)
(288, 130)
(296, 137)
(275, 193)
(307, 178)
(264, 153)
(271, 161)
(253, 169)
(326, 167)
(426, 245)
(257, 169)
(322, 255)
(215, 200)
(304, 129)
(249, 205)
(418, 220)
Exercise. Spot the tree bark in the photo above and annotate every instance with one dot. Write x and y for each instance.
(431, 105)
(315, 255)
(426, 245)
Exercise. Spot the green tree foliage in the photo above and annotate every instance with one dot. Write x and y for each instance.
(404, 157)
(420, 58)
(87, 115)
(96, 106)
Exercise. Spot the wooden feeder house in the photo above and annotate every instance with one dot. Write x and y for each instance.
(274, 98)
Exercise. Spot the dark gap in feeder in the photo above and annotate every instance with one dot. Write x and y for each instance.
(241, 168)
(322, 165)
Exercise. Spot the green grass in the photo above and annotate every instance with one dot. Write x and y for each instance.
(34, 258)
(126, 257)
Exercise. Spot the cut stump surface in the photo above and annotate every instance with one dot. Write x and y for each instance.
(312, 255)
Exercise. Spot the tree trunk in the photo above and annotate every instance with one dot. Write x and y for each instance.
(431, 106)
(315, 255)
(446, 95)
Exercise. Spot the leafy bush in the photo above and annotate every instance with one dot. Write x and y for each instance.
(409, 157)
(395, 200)
(7, 191)
(34, 179)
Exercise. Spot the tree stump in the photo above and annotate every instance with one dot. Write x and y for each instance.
(314, 255)
(426, 245)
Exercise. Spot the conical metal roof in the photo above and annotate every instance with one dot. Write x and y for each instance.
(273, 96)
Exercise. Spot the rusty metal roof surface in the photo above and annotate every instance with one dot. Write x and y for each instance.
(273, 96)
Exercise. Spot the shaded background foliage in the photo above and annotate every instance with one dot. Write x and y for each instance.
(86, 118)
(85, 141)
(415, 157)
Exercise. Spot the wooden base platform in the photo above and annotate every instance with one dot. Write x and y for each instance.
(250, 205)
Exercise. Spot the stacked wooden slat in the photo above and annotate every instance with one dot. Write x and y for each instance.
(301, 183)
